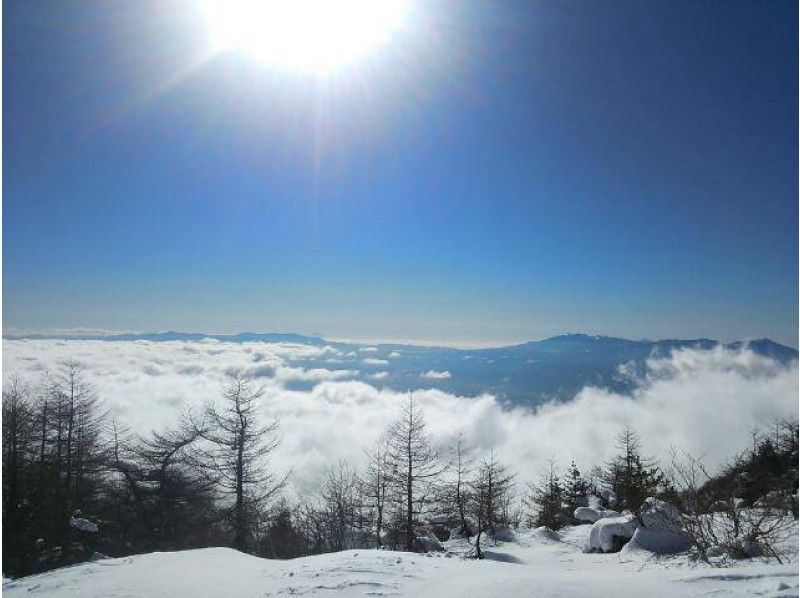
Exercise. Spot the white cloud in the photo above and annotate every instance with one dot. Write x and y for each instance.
(436, 375)
(313, 375)
(702, 401)
(373, 361)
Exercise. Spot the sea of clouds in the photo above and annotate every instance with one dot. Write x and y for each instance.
(704, 402)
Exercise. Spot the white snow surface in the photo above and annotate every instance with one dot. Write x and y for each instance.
(531, 566)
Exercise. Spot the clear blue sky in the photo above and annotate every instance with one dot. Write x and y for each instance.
(506, 171)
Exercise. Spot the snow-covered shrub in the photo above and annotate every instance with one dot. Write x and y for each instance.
(503, 533)
(608, 496)
(724, 525)
(545, 533)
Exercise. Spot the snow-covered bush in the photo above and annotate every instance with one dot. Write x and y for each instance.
(719, 526)
(503, 533)
(545, 533)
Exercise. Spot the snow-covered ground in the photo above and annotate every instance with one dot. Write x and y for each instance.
(534, 565)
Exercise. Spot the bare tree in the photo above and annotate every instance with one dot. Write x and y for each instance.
(494, 482)
(375, 483)
(461, 464)
(721, 522)
(414, 464)
(339, 497)
(238, 454)
(18, 432)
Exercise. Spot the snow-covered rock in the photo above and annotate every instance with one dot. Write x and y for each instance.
(662, 532)
(656, 541)
(592, 514)
(586, 514)
(83, 525)
(427, 540)
(610, 534)
(657, 514)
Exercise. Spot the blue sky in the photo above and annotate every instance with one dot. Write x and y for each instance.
(500, 172)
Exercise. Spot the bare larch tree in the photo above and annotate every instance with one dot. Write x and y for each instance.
(239, 446)
(414, 465)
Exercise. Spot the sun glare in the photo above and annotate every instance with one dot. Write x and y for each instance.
(305, 35)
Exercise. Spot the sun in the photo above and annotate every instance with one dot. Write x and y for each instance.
(304, 35)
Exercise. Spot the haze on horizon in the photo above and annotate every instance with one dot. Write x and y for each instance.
(493, 173)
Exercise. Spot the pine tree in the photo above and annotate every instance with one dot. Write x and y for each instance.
(576, 490)
(545, 499)
(632, 477)
(494, 482)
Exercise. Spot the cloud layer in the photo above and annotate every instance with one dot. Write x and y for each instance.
(701, 401)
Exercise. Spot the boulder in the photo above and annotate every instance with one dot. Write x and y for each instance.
(83, 525)
(586, 514)
(612, 533)
(657, 514)
(590, 514)
(656, 541)
(427, 541)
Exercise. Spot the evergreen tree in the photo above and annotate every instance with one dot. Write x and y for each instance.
(576, 490)
(494, 483)
(632, 477)
(545, 499)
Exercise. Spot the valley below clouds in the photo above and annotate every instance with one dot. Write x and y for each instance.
(332, 403)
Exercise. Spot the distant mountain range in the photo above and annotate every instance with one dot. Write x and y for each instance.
(525, 374)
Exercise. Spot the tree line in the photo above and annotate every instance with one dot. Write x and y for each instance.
(77, 484)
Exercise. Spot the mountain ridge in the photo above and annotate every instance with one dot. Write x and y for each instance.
(313, 339)
(529, 374)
